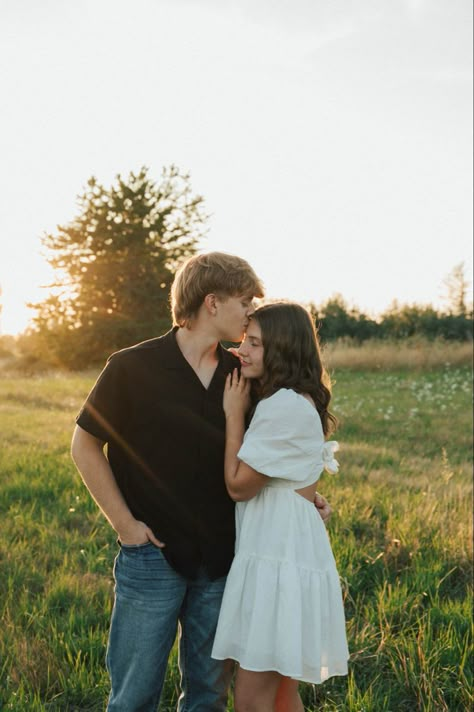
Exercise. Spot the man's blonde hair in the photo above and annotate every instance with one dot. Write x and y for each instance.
(210, 273)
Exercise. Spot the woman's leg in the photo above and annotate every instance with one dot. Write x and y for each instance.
(287, 697)
(255, 691)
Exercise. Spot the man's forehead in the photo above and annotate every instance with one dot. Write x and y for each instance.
(246, 296)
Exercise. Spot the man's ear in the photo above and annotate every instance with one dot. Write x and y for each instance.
(210, 302)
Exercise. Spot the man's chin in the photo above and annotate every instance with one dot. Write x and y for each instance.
(235, 339)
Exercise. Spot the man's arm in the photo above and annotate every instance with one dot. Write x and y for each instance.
(89, 457)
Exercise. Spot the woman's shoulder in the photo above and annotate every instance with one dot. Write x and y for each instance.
(287, 416)
(285, 399)
(284, 395)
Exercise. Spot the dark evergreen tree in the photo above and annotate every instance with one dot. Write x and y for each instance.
(337, 320)
(115, 262)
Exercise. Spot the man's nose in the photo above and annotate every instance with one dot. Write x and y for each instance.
(251, 309)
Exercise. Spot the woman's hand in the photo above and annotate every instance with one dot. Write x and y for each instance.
(236, 394)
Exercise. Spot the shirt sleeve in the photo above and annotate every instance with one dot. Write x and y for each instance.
(104, 409)
(285, 438)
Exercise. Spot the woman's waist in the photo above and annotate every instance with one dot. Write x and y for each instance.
(281, 484)
(277, 503)
(281, 523)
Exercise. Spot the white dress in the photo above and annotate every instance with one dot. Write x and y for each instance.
(282, 607)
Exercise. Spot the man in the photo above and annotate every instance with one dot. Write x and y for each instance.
(158, 407)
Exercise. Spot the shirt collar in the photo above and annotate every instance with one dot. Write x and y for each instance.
(172, 356)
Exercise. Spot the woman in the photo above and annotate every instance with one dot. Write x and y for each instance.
(282, 616)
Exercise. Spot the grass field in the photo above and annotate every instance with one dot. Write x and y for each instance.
(401, 535)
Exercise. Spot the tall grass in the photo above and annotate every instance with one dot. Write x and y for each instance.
(412, 354)
(401, 534)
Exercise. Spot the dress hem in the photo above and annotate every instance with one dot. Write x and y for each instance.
(292, 676)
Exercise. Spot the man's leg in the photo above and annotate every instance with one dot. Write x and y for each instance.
(204, 681)
(148, 598)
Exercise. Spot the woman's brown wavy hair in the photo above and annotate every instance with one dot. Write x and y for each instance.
(292, 357)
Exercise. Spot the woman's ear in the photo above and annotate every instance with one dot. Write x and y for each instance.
(210, 302)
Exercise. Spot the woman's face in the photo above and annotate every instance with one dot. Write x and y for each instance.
(251, 352)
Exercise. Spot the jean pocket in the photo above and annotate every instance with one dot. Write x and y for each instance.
(142, 567)
(134, 547)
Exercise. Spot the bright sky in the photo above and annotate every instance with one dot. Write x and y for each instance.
(331, 139)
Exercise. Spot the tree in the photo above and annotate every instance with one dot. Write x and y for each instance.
(457, 287)
(115, 262)
(338, 320)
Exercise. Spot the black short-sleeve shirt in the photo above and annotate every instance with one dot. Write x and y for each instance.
(165, 435)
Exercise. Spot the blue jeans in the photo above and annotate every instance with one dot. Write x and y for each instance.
(150, 599)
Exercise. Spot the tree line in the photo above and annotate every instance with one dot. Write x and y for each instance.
(115, 261)
(337, 320)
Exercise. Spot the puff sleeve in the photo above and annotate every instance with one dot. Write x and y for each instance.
(285, 439)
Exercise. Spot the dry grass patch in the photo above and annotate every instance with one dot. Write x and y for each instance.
(415, 355)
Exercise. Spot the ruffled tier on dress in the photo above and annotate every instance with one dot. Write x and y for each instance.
(282, 608)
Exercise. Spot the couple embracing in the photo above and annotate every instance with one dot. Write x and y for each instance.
(191, 429)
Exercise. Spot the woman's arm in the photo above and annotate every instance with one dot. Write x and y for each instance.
(242, 481)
